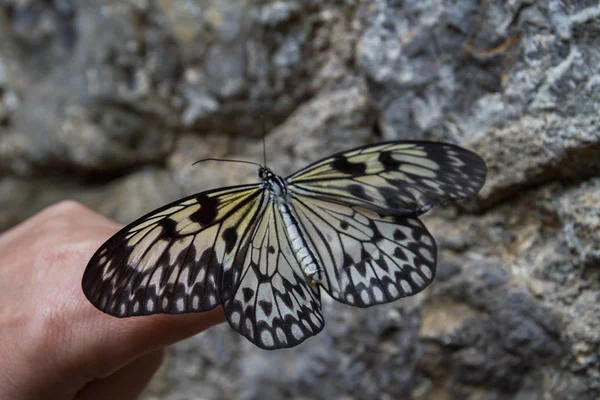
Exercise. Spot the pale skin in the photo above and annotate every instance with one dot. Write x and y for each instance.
(53, 342)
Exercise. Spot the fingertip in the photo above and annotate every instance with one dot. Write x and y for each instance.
(166, 329)
(109, 342)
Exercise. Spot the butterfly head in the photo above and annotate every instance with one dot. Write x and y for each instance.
(265, 174)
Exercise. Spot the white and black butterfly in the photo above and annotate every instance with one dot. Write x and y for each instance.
(347, 224)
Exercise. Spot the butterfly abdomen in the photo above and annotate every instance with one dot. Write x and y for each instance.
(302, 250)
(300, 246)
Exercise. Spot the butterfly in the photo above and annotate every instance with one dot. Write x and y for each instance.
(347, 224)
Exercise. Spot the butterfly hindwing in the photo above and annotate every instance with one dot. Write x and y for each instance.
(273, 304)
(394, 178)
(367, 258)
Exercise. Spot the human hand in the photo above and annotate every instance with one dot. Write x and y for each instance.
(53, 343)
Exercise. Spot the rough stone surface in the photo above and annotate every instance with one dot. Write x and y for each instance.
(110, 102)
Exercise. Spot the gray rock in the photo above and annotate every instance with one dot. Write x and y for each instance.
(580, 215)
(536, 150)
(123, 199)
(110, 103)
(94, 88)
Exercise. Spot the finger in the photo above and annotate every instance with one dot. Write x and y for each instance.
(127, 383)
(112, 342)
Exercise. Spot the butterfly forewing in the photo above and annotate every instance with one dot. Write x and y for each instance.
(367, 259)
(394, 178)
(173, 259)
(273, 304)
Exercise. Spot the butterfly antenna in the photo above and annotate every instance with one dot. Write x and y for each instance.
(226, 160)
(264, 133)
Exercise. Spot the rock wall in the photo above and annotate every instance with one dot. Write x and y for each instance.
(109, 102)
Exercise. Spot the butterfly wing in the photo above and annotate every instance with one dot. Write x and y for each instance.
(178, 258)
(273, 305)
(394, 178)
(366, 258)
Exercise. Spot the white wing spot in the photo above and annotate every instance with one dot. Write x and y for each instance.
(306, 324)
(136, 306)
(414, 222)
(393, 290)
(267, 338)
(426, 271)
(165, 303)
(350, 298)
(378, 294)
(281, 335)
(122, 308)
(195, 302)
(426, 254)
(427, 240)
(201, 275)
(315, 320)
(416, 278)
(406, 286)
(235, 318)
(250, 328)
(296, 331)
(150, 305)
(456, 162)
(106, 273)
(364, 295)
(180, 304)
(211, 300)
(431, 183)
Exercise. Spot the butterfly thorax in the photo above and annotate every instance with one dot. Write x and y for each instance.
(276, 184)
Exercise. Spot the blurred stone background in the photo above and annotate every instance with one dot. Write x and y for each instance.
(109, 103)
